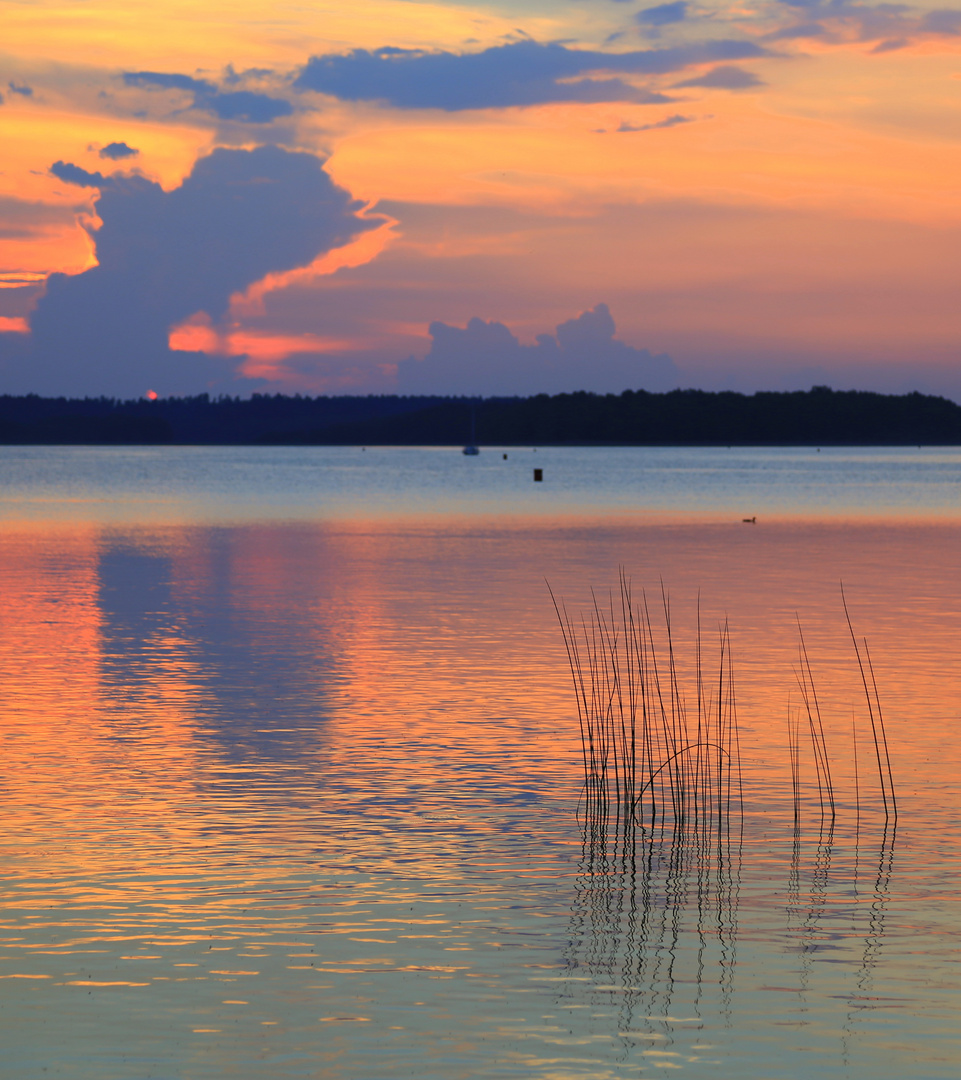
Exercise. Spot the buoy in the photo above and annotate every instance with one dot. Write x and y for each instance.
(538, 475)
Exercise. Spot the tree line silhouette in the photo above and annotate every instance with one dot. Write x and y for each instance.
(819, 416)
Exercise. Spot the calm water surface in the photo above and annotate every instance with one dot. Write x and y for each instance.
(292, 767)
(134, 485)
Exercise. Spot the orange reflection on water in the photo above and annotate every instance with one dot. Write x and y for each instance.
(175, 688)
(77, 745)
(275, 781)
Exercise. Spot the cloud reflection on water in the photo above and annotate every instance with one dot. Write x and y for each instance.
(238, 620)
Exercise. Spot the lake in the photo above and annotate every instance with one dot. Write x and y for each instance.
(294, 784)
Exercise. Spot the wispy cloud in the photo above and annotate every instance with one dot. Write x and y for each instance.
(247, 106)
(893, 25)
(663, 14)
(668, 122)
(725, 77)
(522, 73)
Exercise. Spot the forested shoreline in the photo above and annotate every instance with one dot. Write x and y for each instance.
(820, 416)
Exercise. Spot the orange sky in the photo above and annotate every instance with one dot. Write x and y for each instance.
(790, 215)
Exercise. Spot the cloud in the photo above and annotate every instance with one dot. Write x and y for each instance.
(797, 31)
(892, 25)
(22, 90)
(243, 105)
(167, 81)
(116, 151)
(232, 77)
(891, 45)
(725, 77)
(73, 174)
(20, 218)
(517, 74)
(943, 21)
(663, 14)
(163, 256)
(668, 122)
(486, 358)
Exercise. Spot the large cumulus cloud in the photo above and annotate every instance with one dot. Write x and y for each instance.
(163, 256)
(517, 74)
(486, 358)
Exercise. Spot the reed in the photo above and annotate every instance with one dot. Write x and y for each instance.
(655, 758)
(651, 761)
(794, 754)
(662, 813)
(822, 762)
(878, 732)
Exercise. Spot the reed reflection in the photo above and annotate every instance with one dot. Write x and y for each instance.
(655, 912)
(839, 892)
(654, 928)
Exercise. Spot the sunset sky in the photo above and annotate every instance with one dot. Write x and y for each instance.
(393, 196)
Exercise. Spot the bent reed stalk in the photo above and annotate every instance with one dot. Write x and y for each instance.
(652, 762)
(648, 760)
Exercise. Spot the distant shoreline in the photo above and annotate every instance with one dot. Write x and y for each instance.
(817, 417)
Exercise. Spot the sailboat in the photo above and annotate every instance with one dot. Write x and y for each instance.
(471, 449)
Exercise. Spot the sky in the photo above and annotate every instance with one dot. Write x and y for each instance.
(396, 196)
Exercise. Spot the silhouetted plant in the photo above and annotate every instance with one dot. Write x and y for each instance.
(649, 760)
